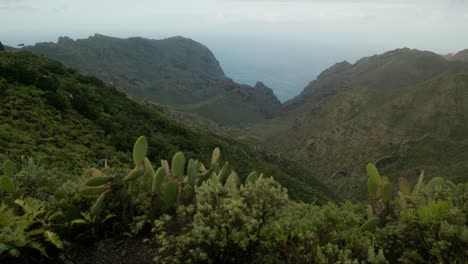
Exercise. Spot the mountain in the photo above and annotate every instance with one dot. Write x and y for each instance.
(2, 48)
(460, 56)
(72, 121)
(406, 110)
(176, 71)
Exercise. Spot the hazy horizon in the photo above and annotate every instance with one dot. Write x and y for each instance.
(284, 44)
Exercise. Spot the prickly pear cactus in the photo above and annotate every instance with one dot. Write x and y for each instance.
(178, 165)
(371, 224)
(252, 178)
(6, 181)
(140, 149)
(7, 184)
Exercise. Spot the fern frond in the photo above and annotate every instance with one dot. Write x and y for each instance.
(54, 215)
(54, 239)
(39, 247)
(35, 232)
(79, 221)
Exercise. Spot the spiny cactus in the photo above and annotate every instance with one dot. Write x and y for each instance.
(170, 194)
(404, 186)
(377, 186)
(104, 185)
(140, 149)
(436, 183)
(159, 178)
(380, 192)
(215, 157)
(232, 180)
(8, 168)
(97, 207)
(7, 184)
(98, 180)
(373, 174)
(166, 187)
(178, 165)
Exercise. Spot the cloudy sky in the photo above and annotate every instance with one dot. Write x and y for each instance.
(291, 40)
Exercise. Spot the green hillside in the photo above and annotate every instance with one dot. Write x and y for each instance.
(91, 189)
(71, 120)
(375, 111)
(176, 72)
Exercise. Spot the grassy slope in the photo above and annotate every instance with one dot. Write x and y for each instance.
(366, 110)
(72, 121)
(363, 125)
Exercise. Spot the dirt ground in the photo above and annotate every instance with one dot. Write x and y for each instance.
(114, 251)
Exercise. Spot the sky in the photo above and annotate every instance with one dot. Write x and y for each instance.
(284, 43)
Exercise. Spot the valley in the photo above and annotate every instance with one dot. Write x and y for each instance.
(142, 144)
(351, 114)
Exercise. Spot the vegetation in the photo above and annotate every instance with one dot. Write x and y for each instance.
(70, 122)
(376, 110)
(201, 214)
(208, 204)
(176, 72)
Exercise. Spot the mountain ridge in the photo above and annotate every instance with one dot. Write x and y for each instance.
(175, 71)
(360, 113)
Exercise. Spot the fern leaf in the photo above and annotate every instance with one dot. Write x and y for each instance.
(35, 232)
(39, 247)
(54, 239)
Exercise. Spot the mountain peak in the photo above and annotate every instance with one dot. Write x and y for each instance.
(261, 85)
(337, 68)
(64, 40)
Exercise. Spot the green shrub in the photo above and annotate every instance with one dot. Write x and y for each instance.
(224, 225)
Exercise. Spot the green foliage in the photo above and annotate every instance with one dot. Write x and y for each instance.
(28, 230)
(310, 234)
(71, 121)
(225, 229)
(198, 214)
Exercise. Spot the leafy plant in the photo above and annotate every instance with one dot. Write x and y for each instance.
(30, 229)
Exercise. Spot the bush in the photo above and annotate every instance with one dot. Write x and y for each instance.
(306, 233)
(223, 226)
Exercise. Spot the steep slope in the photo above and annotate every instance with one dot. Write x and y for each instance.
(459, 56)
(74, 121)
(382, 109)
(176, 71)
(392, 69)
